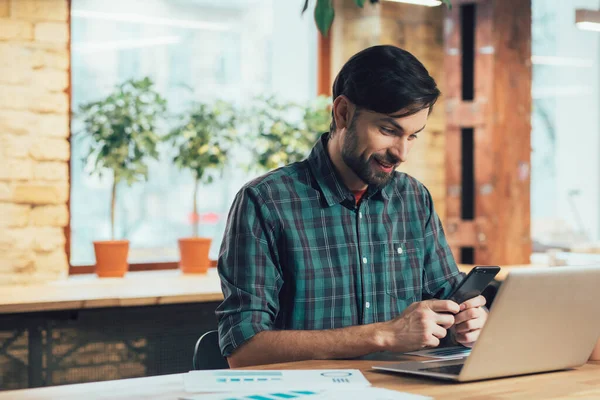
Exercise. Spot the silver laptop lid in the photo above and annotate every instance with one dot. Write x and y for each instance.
(542, 319)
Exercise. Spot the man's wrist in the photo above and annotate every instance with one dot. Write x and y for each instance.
(382, 337)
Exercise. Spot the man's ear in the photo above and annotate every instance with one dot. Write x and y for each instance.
(342, 108)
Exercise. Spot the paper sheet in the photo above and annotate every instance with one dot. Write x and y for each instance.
(443, 353)
(369, 393)
(260, 380)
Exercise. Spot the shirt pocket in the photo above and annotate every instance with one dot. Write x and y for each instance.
(404, 271)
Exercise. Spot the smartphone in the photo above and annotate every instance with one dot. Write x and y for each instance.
(473, 284)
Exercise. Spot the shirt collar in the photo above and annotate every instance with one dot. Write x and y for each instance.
(331, 185)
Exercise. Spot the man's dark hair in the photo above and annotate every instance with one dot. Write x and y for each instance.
(385, 79)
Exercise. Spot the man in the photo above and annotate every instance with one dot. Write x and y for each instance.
(339, 255)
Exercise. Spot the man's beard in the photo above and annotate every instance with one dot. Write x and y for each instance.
(362, 167)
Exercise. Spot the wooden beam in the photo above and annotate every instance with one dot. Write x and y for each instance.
(462, 233)
(500, 117)
(453, 173)
(467, 233)
(69, 90)
(466, 113)
(453, 159)
(510, 126)
(324, 64)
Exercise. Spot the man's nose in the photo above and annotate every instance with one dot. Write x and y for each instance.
(400, 150)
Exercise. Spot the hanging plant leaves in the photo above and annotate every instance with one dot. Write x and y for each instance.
(305, 7)
(284, 132)
(324, 13)
(324, 16)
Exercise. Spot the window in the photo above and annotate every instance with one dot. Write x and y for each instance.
(565, 190)
(193, 50)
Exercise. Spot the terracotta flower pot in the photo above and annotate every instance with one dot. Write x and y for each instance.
(194, 255)
(111, 258)
(596, 353)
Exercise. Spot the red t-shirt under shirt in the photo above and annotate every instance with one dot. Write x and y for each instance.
(358, 194)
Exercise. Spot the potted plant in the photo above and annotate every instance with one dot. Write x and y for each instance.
(203, 139)
(122, 131)
(285, 132)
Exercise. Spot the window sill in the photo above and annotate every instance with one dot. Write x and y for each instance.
(83, 291)
(134, 267)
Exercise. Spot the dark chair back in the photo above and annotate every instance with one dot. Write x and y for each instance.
(207, 354)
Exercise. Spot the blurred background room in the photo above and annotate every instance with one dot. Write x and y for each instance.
(127, 127)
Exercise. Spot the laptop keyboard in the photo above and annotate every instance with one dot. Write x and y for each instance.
(448, 369)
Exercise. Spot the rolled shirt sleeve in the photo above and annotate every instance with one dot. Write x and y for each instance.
(248, 266)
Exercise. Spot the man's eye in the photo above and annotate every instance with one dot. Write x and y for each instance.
(413, 137)
(387, 131)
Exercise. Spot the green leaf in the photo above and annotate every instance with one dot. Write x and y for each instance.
(324, 16)
(305, 7)
(448, 4)
(360, 3)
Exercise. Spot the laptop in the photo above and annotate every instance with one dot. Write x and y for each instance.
(543, 319)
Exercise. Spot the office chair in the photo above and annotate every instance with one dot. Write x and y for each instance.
(207, 354)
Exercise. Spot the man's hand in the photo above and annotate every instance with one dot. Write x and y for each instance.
(470, 320)
(421, 325)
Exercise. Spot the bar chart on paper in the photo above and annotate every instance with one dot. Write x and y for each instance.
(238, 380)
(281, 395)
(370, 393)
(251, 376)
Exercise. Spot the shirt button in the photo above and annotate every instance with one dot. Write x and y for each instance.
(364, 260)
(359, 214)
(368, 305)
(399, 250)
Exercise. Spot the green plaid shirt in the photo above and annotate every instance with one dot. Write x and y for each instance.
(298, 253)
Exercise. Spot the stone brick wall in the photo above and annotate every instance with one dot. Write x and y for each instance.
(34, 145)
(418, 30)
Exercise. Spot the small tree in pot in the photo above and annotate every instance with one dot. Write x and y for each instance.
(123, 132)
(203, 140)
